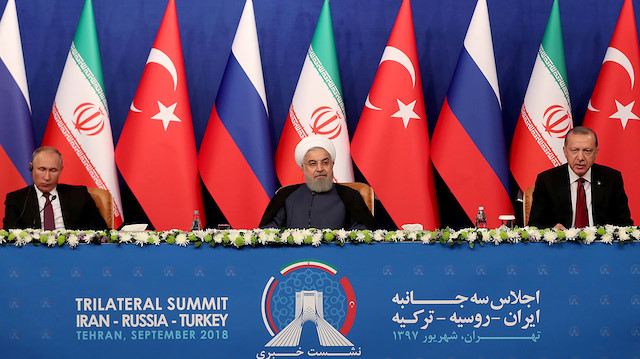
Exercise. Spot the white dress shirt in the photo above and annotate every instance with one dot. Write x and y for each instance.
(573, 180)
(55, 204)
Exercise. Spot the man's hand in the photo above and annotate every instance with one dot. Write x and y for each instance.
(559, 226)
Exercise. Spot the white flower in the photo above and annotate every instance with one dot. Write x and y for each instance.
(497, 239)
(125, 237)
(486, 237)
(550, 236)
(316, 239)
(21, 241)
(534, 234)
(248, 235)
(397, 236)
(513, 236)
(233, 235)
(378, 235)
(298, 237)
(413, 236)
(607, 238)
(86, 238)
(472, 236)
(623, 234)
(263, 237)
(571, 234)
(141, 239)
(590, 234)
(143, 236)
(73, 240)
(200, 234)
(360, 237)
(182, 240)
(609, 228)
(218, 237)
(51, 240)
(342, 234)
(284, 237)
(635, 234)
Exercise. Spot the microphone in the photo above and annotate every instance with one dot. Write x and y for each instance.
(53, 198)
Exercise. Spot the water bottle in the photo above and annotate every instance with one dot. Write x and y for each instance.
(196, 225)
(481, 218)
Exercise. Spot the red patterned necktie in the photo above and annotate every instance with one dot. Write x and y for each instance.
(582, 220)
(49, 223)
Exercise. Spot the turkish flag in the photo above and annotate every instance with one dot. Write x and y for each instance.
(391, 143)
(156, 152)
(614, 108)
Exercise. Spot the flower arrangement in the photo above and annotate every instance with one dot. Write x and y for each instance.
(240, 238)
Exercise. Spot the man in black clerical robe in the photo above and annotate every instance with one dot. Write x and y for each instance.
(319, 203)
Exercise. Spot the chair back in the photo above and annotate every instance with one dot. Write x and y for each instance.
(527, 200)
(365, 191)
(104, 202)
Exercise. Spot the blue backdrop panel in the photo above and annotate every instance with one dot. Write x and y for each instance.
(404, 300)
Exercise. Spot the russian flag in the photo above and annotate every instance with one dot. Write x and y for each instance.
(468, 146)
(236, 155)
(16, 132)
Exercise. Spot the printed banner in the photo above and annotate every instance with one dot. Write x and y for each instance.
(370, 301)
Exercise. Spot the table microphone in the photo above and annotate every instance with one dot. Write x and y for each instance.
(53, 198)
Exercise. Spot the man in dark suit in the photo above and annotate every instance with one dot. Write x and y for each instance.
(47, 204)
(318, 203)
(557, 199)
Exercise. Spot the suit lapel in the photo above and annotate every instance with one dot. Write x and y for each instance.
(597, 193)
(33, 209)
(564, 194)
(64, 198)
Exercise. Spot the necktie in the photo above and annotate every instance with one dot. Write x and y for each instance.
(582, 220)
(49, 224)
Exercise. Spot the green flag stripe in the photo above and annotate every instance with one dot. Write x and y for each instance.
(552, 41)
(86, 42)
(327, 78)
(555, 72)
(323, 45)
(88, 74)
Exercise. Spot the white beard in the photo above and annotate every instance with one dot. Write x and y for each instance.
(319, 185)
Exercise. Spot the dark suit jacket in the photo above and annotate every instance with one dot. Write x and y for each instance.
(79, 211)
(351, 198)
(552, 198)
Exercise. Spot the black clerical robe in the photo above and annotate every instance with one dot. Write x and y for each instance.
(297, 206)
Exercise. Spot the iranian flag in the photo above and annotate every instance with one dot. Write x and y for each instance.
(317, 108)
(545, 117)
(79, 125)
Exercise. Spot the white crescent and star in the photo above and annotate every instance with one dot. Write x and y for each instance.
(405, 111)
(165, 113)
(624, 112)
(160, 58)
(617, 56)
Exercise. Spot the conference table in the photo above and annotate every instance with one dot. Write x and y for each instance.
(471, 293)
